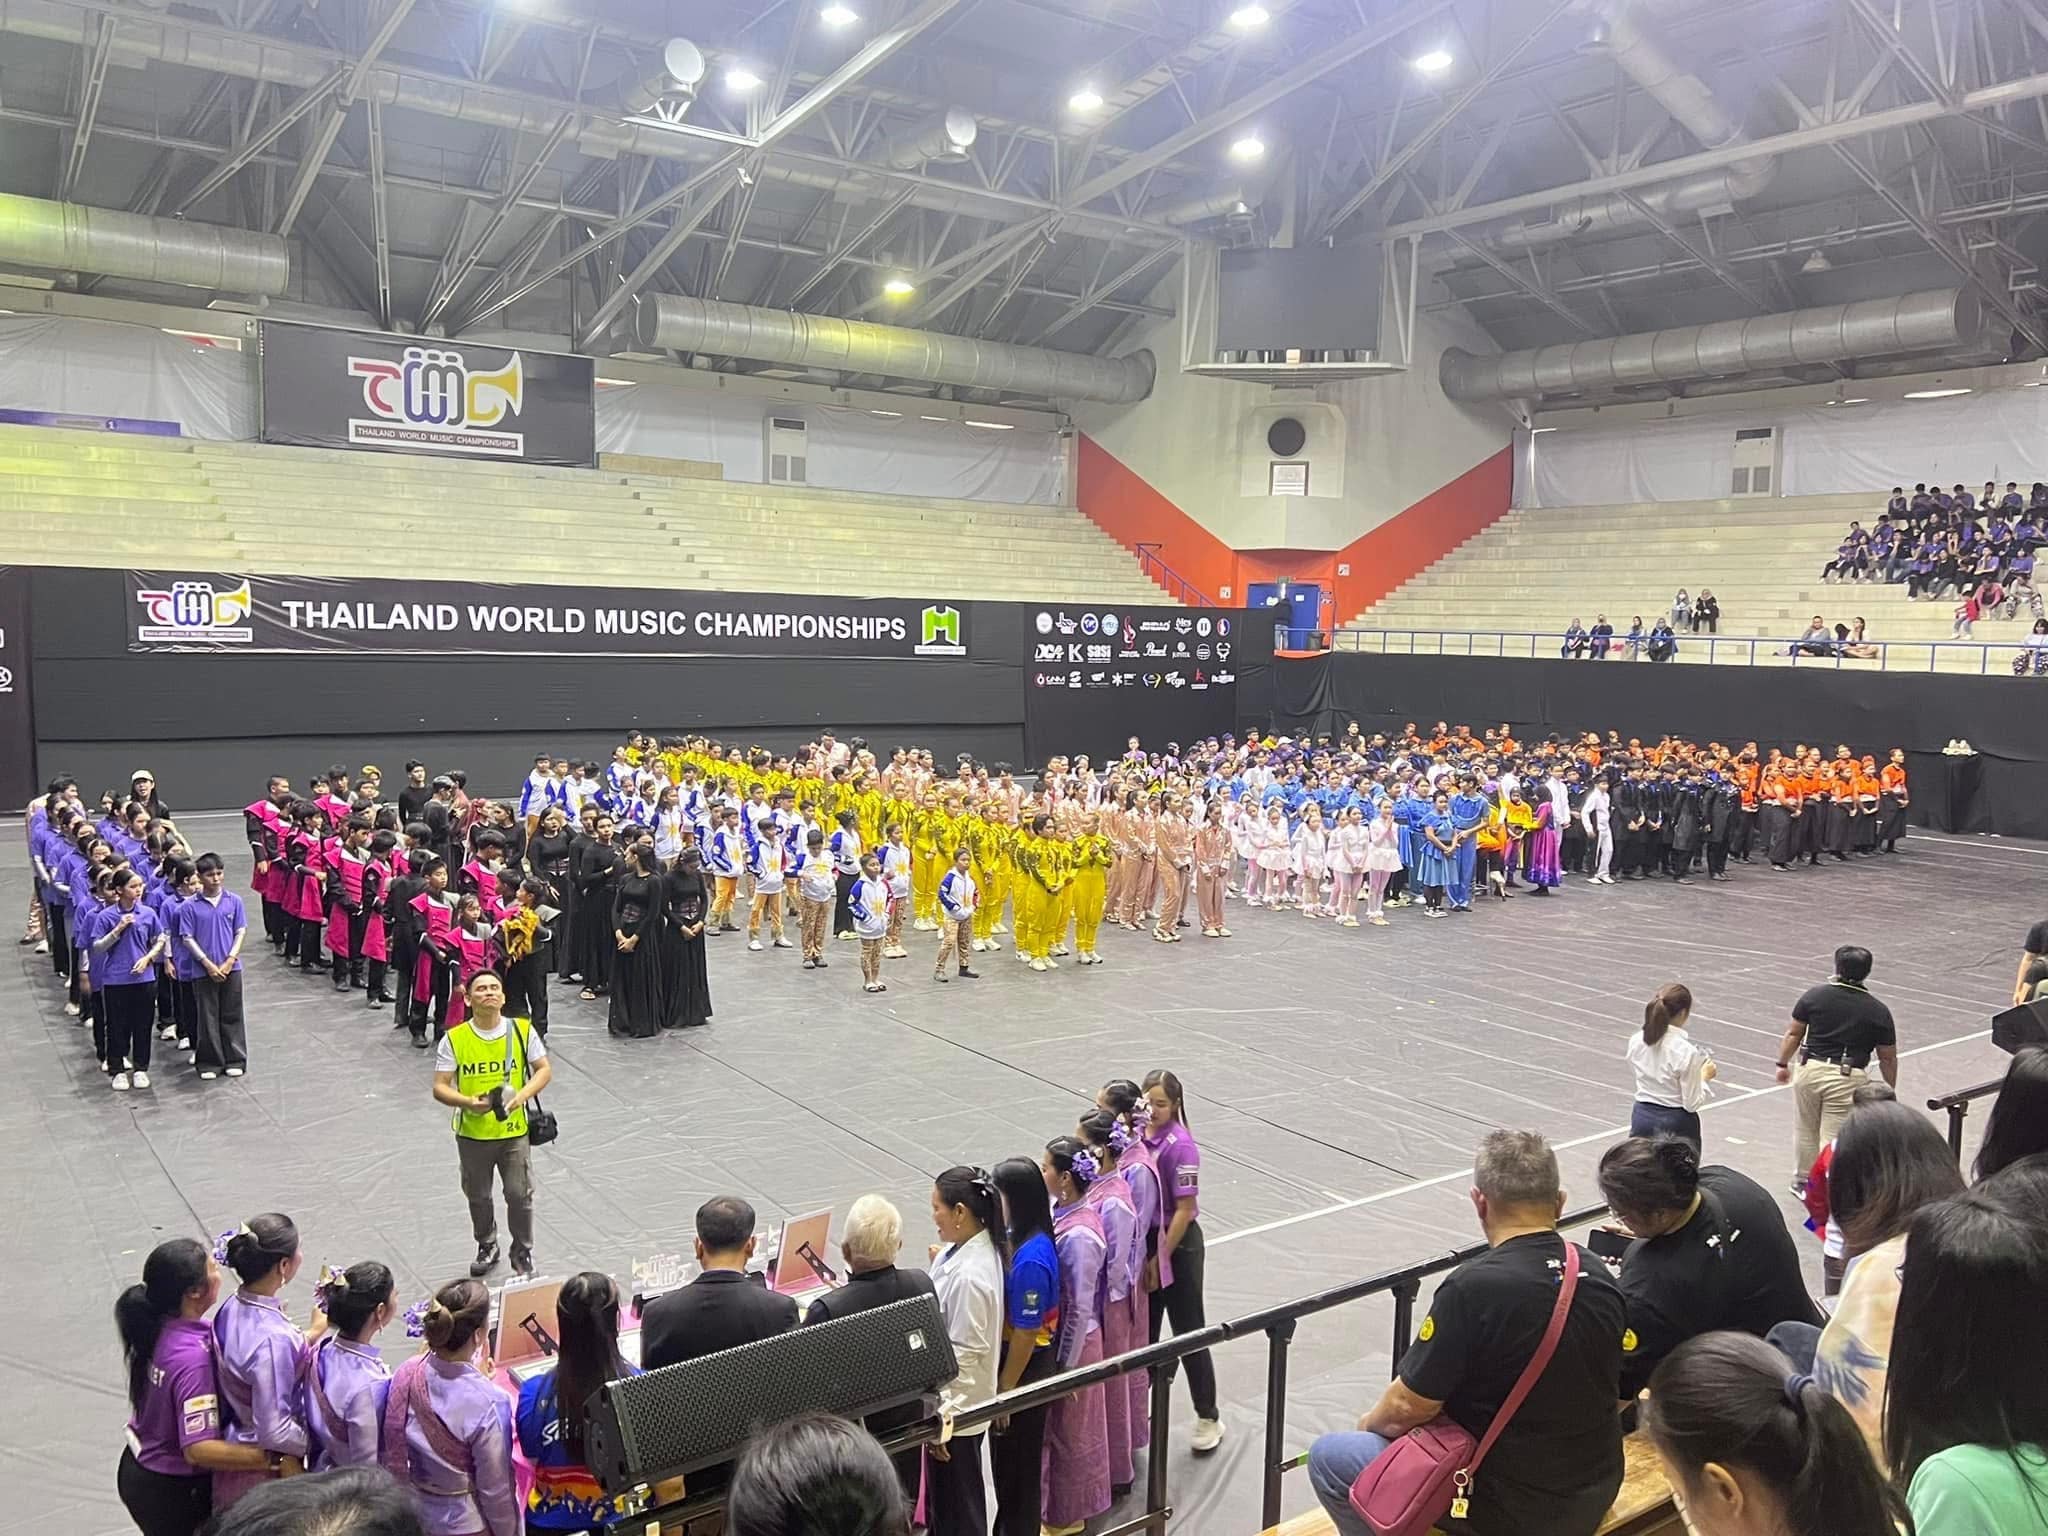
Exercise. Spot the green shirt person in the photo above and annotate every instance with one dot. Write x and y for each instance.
(486, 1069)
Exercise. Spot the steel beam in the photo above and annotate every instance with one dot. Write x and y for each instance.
(225, 168)
(1096, 292)
(847, 247)
(684, 225)
(515, 188)
(95, 81)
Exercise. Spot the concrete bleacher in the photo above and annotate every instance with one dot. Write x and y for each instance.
(1536, 570)
(81, 498)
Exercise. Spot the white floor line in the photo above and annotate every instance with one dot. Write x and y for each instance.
(1464, 1174)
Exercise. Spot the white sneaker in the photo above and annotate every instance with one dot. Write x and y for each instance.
(234, 1071)
(120, 1081)
(990, 943)
(753, 944)
(42, 946)
(168, 1032)
(978, 946)
(207, 1077)
(997, 928)
(71, 1010)
(1041, 965)
(1206, 1436)
(784, 944)
(142, 1079)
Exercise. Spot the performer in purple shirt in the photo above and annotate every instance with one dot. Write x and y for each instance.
(127, 942)
(262, 1353)
(1178, 1292)
(174, 1425)
(447, 1432)
(211, 928)
(345, 1376)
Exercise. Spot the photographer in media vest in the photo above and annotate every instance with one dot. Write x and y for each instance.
(487, 1069)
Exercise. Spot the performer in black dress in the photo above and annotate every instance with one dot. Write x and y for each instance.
(597, 867)
(636, 921)
(686, 980)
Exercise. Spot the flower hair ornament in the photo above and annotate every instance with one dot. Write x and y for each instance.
(1086, 1166)
(416, 1318)
(220, 1243)
(1121, 1137)
(333, 1282)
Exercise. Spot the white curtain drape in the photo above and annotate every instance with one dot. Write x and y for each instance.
(1681, 460)
(89, 368)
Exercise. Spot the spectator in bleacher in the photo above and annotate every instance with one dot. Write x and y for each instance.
(1967, 612)
(2035, 657)
(1754, 1452)
(1920, 568)
(1681, 608)
(1887, 549)
(1963, 502)
(1711, 1251)
(1898, 507)
(1850, 641)
(1852, 555)
(1634, 641)
(1600, 638)
(1817, 641)
(1663, 643)
(1575, 642)
(1557, 1464)
(2037, 498)
(2020, 566)
(816, 1475)
(1966, 1406)
(1706, 613)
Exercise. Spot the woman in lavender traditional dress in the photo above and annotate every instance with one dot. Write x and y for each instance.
(448, 1428)
(1076, 1483)
(1140, 1171)
(1123, 1276)
(1545, 869)
(262, 1355)
(346, 1378)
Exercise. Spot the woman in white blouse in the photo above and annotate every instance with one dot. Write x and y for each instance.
(1672, 1073)
(967, 1274)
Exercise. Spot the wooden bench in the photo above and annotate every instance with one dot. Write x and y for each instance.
(1642, 1507)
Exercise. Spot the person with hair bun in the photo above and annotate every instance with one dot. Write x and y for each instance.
(1754, 1450)
(1672, 1073)
(1711, 1251)
(1122, 1278)
(1139, 1165)
(1076, 1476)
(815, 1476)
(967, 1274)
(174, 1425)
(345, 1376)
(447, 1429)
(262, 1354)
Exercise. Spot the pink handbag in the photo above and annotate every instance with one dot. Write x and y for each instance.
(1427, 1473)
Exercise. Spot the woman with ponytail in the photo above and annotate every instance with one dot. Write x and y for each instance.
(1754, 1451)
(346, 1377)
(174, 1440)
(1672, 1073)
(1175, 1278)
(967, 1273)
(1076, 1477)
(447, 1429)
(262, 1354)
(1122, 1278)
(1125, 1100)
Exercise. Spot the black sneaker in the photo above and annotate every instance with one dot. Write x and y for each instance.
(522, 1261)
(485, 1261)
(970, 975)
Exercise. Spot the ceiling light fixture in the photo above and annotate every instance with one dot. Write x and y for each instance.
(1086, 99)
(899, 287)
(741, 78)
(1434, 62)
(838, 15)
(604, 383)
(990, 426)
(1249, 18)
(1250, 147)
(1935, 394)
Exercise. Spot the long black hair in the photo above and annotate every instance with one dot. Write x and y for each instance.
(1728, 1399)
(974, 1189)
(1159, 1077)
(2018, 1125)
(173, 1270)
(263, 1243)
(1027, 1208)
(1888, 1162)
(587, 1319)
(1969, 1358)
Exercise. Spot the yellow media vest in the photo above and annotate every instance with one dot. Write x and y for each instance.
(480, 1067)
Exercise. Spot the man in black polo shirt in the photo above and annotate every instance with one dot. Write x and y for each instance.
(1711, 1251)
(1836, 1028)
(2033, 964)
(1556, 1466)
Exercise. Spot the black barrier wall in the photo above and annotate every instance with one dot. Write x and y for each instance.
(211, 719)
(2004, 790)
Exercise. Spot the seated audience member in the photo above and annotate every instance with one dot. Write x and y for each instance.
(1886, 544)
(815, 1476)
(1852, 555)
(1966, 1402)
(1753, 1451)
(1963, 501)
(2034, 657)
(1575, 642)
(1663, 644)
(1853, 643)
(719, 1309)
(1920, 569)
(1556, 1466)
(346, 1501)
(1889, 1161)
(2018, 1124)
(1817, 641)
(870, 1242)
(1634, 641)
(1681, 608)
(1706, 613)
(1968, 611)
(2037, 498)
(1600, 638)
(1711, 1251)
(2020, 591)
(1898, 506)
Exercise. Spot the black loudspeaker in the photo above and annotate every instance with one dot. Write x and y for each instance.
(2021, 1026)
(1286, 436)
(700, 1412)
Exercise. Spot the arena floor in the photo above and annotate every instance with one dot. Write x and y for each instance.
(1338, 1081)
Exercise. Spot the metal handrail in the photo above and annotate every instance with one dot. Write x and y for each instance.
(1957, 1105)
(1159, 1360)
(1540, 644)
(1176, 584)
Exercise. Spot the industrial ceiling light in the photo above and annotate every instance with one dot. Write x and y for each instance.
(838, 15)
(899, 287)
(1936, 394)
(1086, 99)
(740, 78)
(1249, 18)
(1250, 147)
(1434, 62)
(1817, 261)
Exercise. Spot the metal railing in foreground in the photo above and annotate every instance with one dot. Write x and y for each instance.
(1957, 1106)
(1981, 657)
(1276, 1323)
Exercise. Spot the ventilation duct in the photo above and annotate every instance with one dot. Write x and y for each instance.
(1936, 319)
(676, 79)
(854, 346)
(1623, 32)
(67, 237)
(1209, 205)
(947, 134)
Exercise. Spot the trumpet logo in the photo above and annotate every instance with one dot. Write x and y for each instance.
(195, 610)
(431, 398)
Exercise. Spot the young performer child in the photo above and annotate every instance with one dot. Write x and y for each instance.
(957, 898)
(847, 846)
(769, 860)
(1349, 846)
(1091, 860)
(348, 915)
(1311, 861)
(896, 865)
(433, 912)
(817, 886)
(128, 941)
(1382, 860)
(1213, 853)
(727, 856)
(1272, 849)
(868, 902)
(305, 895)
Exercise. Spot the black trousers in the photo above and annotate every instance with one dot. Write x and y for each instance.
(405, 954)
(162, 1505)
(1182, 1302)
(221, 1039)
(1717, 858)
(842, 911)
(60, 937)
(956, 1503)
(1017, 1457)
(526, 990)
(130, 1014)
(184, 1011)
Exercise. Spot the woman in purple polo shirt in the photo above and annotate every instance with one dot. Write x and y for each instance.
(127, 942)
(174, 1438)
(1175, 1274)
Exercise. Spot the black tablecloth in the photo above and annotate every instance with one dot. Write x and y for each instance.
(1949, 793)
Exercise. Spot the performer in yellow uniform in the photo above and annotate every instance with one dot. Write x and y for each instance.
(925, 862)
(1092, 856)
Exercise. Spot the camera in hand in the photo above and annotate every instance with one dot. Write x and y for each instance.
(497, 1101)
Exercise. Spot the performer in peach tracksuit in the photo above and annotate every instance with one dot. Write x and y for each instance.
(1173, 863)
(1212, 869)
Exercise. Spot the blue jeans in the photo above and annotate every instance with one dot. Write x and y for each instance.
(1334, 1462)
(1661, 1119)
